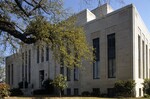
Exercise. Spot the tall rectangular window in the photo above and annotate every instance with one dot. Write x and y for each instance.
(76, 91)
(68, 74)
(62, 70)
(143, 48)
(111, 52)
(42, 55)
(69, 91)
(139, 56)
(149, 63)
(96, 49)
(12, 73)
(76, 74)
(41, 78)
(146, 61)
(9, 74)
(110, 92)
(26, 66)
(22, 66)
(140, 91)
(96, 70)
(47, 53)
(38, 54)
(96, 91)
(96, 53)
(29, 68)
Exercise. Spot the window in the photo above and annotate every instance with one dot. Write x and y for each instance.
(26, 66)
(96, 91)
(38, 57)
(62, 70)
(76, 91)
(111, 56)
(12, 73)
(8, 74)
(149, 63)
(140, 91)
(68, 91)
(47, 53)
(22, 66)
(76, 74)
(29, 69)
(139, 56)
(41, 78)
(97, 58)
(96, 70)
(143, 48)
(68, 74)
(42, 55)
(61, 60)
(111, 92)
(96, 49)
(146, 61)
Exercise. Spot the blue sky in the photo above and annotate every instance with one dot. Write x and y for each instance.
(143, 7)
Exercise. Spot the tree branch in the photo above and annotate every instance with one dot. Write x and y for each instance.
(29, 3)
(19, 5)
(37, 6)
(10, 29)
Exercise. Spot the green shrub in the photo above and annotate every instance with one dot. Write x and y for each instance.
(47, 85)
(124, 88)
(41, 92)
(48, 88)
(16, 92)
(146, 86)
(85, 93)
(103, 95)
(20, 84)
(95, 93)
(146, 96)
(4, 90)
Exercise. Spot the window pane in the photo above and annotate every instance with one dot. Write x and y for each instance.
(68, 74)
(96, 70)
(96, 48)
(139, 56)
(26, 66)
(12, 73)
(8, 74)
(38, 54)
(143, 45)
(96, 52)
(76, 74)
(68, 91)
(111, 56)
(76, 91)
(29, 68)
(47, 53)
(22, 66)
(62, 70)
(42, 55)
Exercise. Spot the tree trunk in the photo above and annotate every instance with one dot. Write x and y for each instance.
(59, 93)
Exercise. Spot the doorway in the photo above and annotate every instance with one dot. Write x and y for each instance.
(41, 78)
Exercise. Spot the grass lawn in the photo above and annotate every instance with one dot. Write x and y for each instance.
(66, 98)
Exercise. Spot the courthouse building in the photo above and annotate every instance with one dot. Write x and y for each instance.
(122, 43)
